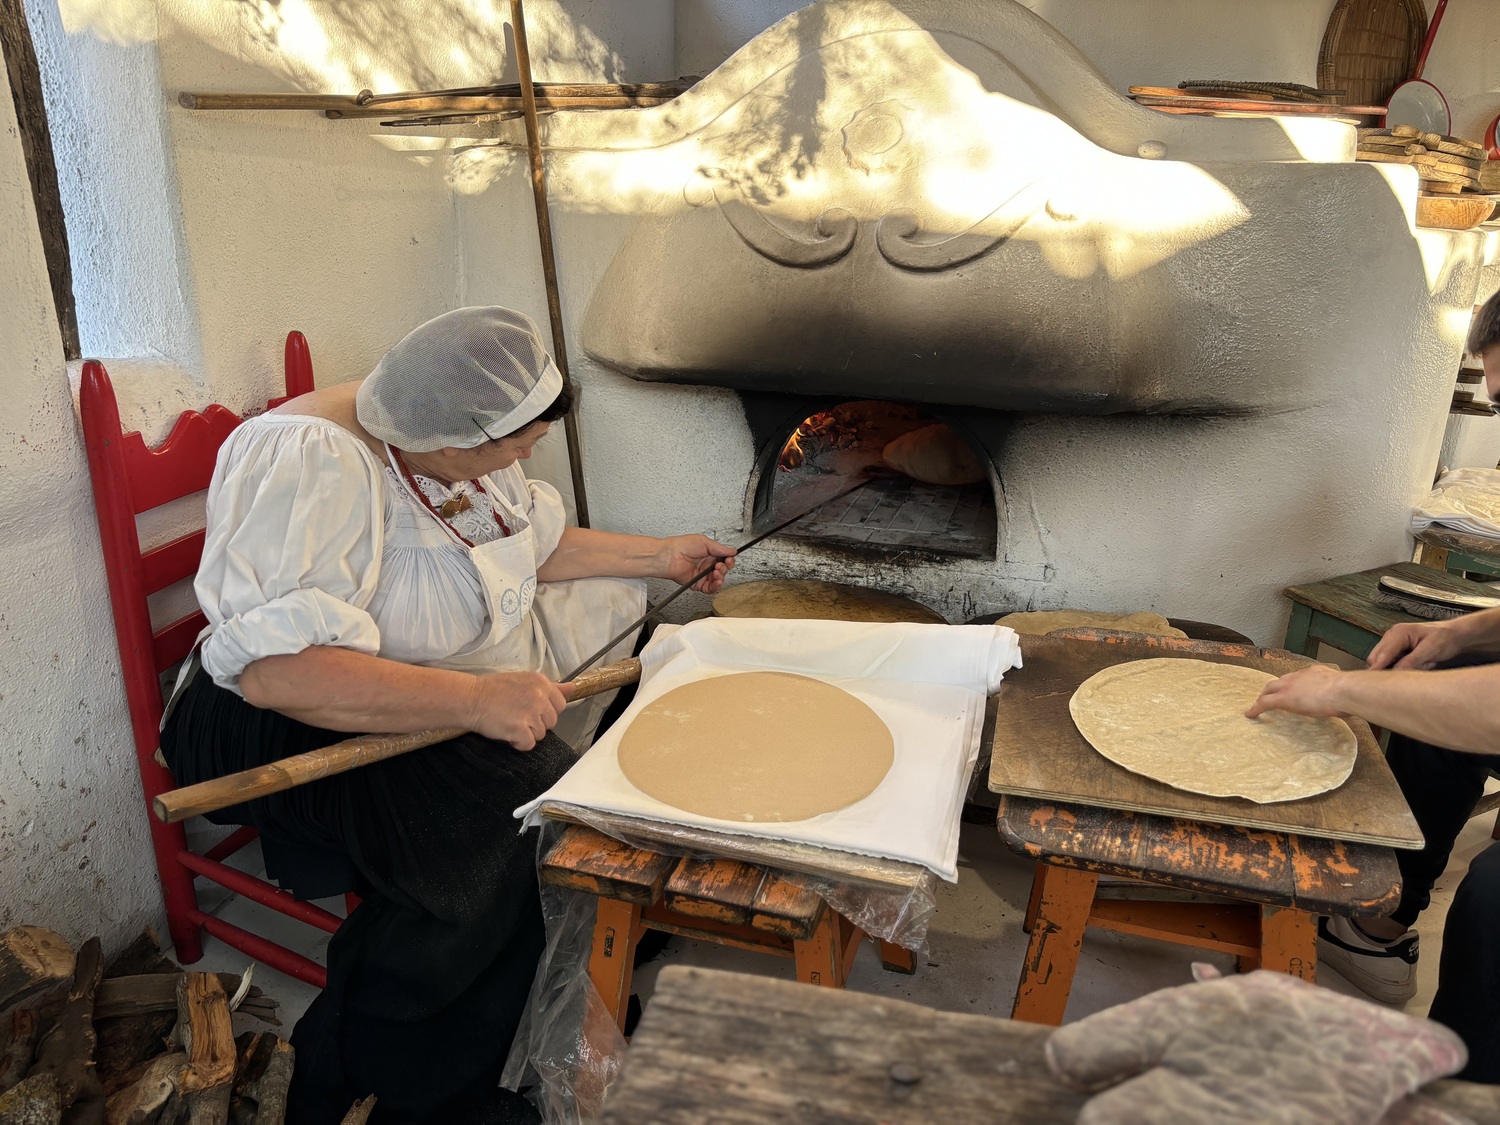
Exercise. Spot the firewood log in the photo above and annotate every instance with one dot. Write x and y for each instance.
(66, 1049)
(35, 1101)
(32, 961)
(127, 1041)
(360, 1111)
(141, 1102)
(206, 1033)
(262, 1080)
(157, 992)
(19, 1051)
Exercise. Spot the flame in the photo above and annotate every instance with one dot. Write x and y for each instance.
(816, 435)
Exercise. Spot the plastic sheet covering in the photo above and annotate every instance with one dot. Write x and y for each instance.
(1462, 499)
(568, 1049)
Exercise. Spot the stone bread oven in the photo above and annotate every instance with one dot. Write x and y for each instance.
(1198, 358)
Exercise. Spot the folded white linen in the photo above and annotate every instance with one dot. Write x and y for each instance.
(928, 683)
(1465, 500)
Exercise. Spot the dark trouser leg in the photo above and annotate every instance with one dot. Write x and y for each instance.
(1442, 787)
(1468, 995)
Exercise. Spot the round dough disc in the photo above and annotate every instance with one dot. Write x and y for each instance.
(1182, 722)
(757, 746)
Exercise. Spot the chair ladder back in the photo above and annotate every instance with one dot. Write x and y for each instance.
(130, 478)
(123, 566)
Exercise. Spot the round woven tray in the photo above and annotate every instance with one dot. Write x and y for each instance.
(1370, 48)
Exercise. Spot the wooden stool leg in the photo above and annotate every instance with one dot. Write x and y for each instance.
(1062, 915)
(897, 958)
(1297, 629)
(1289, 942)
(1033, 900)
(612, 959)
(819, 958)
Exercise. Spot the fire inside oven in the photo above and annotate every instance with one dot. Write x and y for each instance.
(928, 487)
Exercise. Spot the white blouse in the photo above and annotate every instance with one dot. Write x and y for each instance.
(312, 541)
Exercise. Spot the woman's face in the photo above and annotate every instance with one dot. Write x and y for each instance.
(452, 465)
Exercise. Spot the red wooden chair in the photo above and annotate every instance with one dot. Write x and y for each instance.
(128, 479)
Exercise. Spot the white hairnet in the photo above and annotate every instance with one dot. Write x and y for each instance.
(459, 380)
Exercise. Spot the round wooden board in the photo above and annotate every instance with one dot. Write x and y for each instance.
(1370, 47)
(810, 600)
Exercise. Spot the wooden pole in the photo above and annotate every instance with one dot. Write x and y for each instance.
(341, 757)
(41, 167)
(549, 262)
(345, 106)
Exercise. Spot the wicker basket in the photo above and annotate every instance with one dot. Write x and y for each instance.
(1370, 48)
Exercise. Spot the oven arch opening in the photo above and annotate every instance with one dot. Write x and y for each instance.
(932, 486)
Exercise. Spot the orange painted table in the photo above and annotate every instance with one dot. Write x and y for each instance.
(1269, 870)
(720, 900)
(1273, 885)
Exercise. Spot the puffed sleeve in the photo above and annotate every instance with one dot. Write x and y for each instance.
(292, 553)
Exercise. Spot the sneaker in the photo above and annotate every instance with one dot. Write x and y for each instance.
(1386, 972)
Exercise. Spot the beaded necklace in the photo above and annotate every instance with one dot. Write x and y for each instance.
(448, 509)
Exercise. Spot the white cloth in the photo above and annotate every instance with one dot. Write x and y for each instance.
(311, 541)
(928, 683)
(1465, 500)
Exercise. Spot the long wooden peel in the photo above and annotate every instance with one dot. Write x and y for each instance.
(341, 757)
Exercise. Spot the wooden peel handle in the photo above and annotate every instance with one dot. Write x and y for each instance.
(288, 773)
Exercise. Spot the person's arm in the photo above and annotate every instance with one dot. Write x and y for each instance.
(587, 553)
(340, 689)
(1454, 708)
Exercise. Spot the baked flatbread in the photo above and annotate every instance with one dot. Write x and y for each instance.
(1051, 620)
(1182, 722)
(757, 746)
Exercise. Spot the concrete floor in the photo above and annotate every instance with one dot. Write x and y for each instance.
(974, 952)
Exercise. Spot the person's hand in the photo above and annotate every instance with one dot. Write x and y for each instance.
(686, 556)
(1311, 691)
(1419, 647)
(516, 707)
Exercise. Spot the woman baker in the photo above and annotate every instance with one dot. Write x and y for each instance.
(370, 548)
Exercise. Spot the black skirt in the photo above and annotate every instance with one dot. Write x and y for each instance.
(428, 978)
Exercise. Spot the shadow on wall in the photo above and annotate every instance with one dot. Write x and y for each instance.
(343, 46)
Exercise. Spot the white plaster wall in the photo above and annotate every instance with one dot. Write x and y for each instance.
(74, 852)
(198, 240)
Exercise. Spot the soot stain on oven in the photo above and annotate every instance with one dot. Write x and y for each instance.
(931, 494)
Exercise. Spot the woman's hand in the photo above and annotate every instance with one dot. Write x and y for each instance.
(1314, 690)
(1419, 647)
(683, 557)
(516, 707)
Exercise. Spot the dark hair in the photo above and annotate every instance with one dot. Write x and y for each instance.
(1484, 329)
(555, 410)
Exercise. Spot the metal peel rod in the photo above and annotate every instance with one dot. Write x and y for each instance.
(652, 611)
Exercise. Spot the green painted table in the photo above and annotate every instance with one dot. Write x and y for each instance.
(1343, 613)
(1458, 552)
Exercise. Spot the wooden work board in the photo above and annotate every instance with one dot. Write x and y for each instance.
(1038, 752)
(735, 1049)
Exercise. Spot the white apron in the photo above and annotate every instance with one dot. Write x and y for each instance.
(547, 630)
